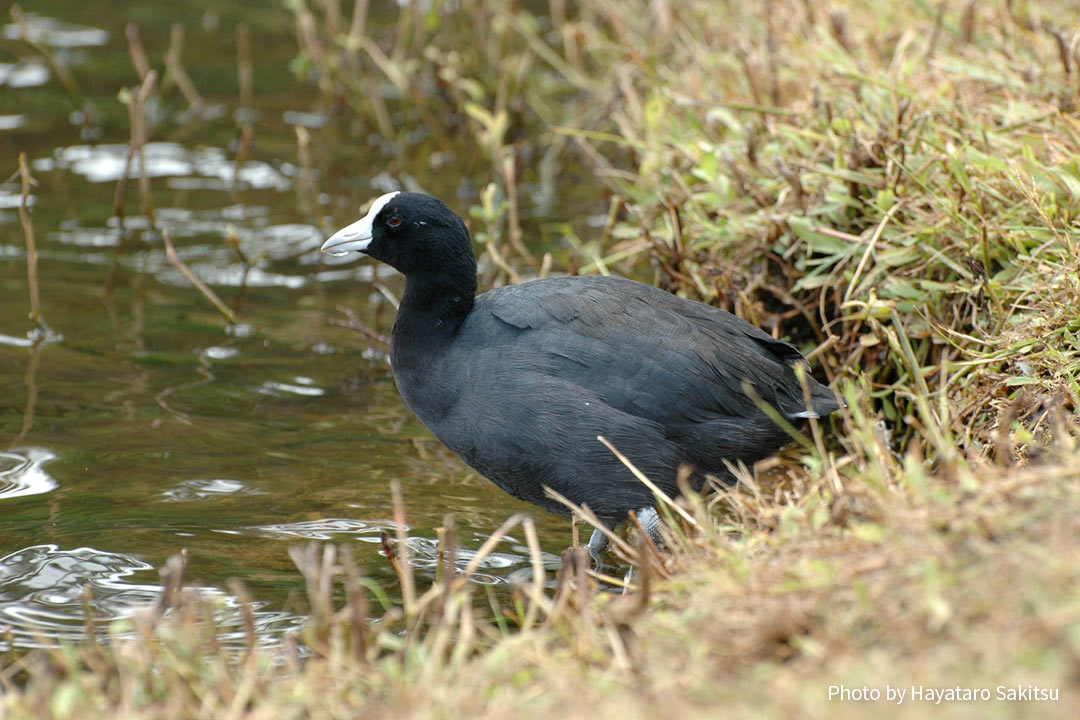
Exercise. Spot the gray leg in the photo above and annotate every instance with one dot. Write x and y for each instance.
(651, 522)
(598, 542)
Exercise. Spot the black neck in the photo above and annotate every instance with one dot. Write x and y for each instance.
(433, 306)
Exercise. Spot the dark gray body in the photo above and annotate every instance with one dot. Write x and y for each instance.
(522, 387)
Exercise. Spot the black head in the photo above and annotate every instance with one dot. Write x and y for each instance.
(414, 233)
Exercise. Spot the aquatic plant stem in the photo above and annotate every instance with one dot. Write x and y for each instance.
(408, 583)
(209, 294)
(31, 244)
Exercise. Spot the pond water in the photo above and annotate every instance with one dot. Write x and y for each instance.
(144, 423)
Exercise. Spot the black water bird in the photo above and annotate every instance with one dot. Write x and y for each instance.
(520, 381)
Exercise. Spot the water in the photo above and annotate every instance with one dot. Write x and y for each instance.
(144, 423)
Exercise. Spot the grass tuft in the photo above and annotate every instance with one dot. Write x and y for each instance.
(893, 186)
(759, 605)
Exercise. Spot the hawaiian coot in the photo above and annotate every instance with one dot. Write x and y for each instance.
(520, 381)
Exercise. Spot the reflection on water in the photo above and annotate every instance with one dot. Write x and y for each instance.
(46, 592)
(299, 386)
(10, 122)
(424, 551)
(265, 254)
(161, 427)
(42, 591)
(502, 566)
(106, 163)
(325, 529)
(23, 342)
(21, 473)
(55, 33)
(12, 200)
(29, 73)
(191, 490)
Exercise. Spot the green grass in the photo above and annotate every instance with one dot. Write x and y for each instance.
(892, 173)
(894, 186)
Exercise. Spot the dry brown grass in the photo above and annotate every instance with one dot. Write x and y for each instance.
(966, 579)
(893, 184)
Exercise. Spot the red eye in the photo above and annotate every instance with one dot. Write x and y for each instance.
(393, 220)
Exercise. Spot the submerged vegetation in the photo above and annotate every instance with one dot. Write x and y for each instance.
(895, 187)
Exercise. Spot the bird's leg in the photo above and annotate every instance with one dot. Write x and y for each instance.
(651, 523)
(598, 542)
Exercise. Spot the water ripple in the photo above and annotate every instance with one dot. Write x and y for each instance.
(45, 593)
(190, 490)
(106, 163)
(30, 73)
(42, 587)
(283, 389)
(44, 30)
(12, 122)
(21, 472)
(324, 529)
(502, 567)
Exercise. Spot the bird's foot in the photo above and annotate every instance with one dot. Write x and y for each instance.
(651, 524)
(598, 542)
